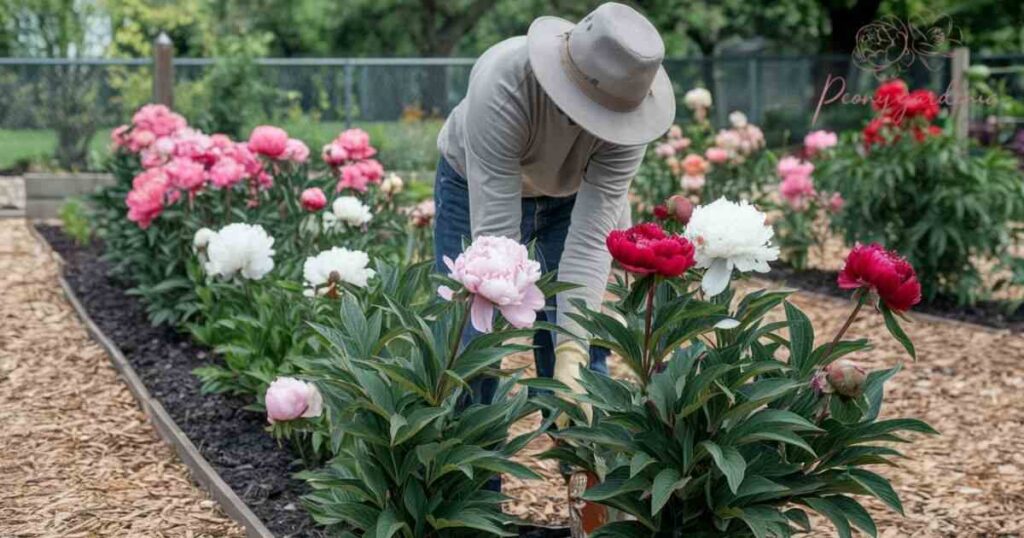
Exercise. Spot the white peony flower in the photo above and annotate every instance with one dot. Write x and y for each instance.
(738, 119)
(392, 185)
(697, 98)
(240, 248)
(202, 238)
(726, 235)
(348, 210)
(326, 269)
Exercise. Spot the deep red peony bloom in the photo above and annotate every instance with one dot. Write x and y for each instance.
(921, 103)
(884, 272)
(661, 212)
(645, 249)
(890, 98)
(876, 130)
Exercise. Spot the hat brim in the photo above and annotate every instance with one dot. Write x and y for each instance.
(641, 125)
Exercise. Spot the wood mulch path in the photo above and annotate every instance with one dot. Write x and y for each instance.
(77, 456)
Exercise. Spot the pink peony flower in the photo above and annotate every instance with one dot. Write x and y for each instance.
(140, 139)
(226, 172)
(158, 120)
(819, 140)
(717, 155)
(675, 132)
(498, 272)
(333, 154)
(797, 190)
(836, 203)
(220, 142)
(680, 144)
(351, 177)
(692, 183)
(423, 213)
(313, 199)
(296, 151)
(119, 137)
(146, 199)
(186, 174)
(288, 398)
(356, 142)
(694, 165)
(372, 170)
(792, 166)
(268, 141)
(664, 150)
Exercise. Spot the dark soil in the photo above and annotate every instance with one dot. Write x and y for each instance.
(988, 313)
(233, 440)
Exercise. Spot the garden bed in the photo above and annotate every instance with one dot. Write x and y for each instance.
(232, 439)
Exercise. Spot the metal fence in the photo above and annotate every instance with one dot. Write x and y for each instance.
(781, 93)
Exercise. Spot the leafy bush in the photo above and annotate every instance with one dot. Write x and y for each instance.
(942, 206)
(735, 425)
(75, 219)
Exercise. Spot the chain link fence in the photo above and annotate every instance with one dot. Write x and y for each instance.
(780, 93)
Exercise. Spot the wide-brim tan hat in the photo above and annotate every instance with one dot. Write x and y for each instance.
(605, 73)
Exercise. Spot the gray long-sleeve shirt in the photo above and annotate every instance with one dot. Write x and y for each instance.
(509, 141)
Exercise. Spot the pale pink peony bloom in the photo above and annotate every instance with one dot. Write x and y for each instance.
(836, 203)
(194, 145)
(268, 141)
(186, 174)
(422, 215)
(664, 150)
(498, 272)
(819, 140)
(356, 142)
(692, 183)
(313, 199)
(221, 142)
(680, 144)
(675, 132)
(288, 398)
(372, 170)
(792, 166)
(351, 177)
(147, 198)
(226, 172)
(797, 190)
(717, 155)
(140, 139)
(296, 151)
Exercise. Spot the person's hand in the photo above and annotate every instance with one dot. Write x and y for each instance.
(570, 357)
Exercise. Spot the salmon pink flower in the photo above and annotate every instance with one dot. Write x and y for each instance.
(356, 143)
(313, 199)
(148, 196)
(499, 273)
(268, 141)
(717, 155)
(872, 267)
(646, 249)
(288, 398)
(186, 174)
(695, 165)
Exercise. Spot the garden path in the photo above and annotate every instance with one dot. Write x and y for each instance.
(77, 456)
(968, 383)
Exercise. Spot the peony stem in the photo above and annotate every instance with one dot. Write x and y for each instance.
(648, 363)
(849, 321)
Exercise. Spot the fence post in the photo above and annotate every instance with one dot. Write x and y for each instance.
(348, 94)
(961, 93)
(163, 71)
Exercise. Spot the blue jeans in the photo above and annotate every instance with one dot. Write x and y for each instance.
(546, 221)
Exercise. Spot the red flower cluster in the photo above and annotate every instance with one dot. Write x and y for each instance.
(645, 249)
(901, 111)
(883, 272)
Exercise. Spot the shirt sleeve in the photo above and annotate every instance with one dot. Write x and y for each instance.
(496, 134)
(601, 204)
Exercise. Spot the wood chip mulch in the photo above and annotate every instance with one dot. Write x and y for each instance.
(968, 383)
(77, 456)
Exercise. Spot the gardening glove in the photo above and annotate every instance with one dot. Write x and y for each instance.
(570, 357)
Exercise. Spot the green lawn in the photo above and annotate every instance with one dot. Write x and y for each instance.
(402, 146)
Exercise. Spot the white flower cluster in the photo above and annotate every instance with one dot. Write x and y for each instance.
(347, 210)
(325, 270)
(244, 249)
(726, 235)
(697, 98)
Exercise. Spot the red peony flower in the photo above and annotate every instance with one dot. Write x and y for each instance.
(921, 103)
(884, 272)
(661, 212)
(876, 129)
(890, 98)
(645, 249)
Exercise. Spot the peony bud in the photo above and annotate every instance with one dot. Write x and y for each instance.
(681, 208)
(661, 212)
(846, 378)
(313, 199)
(288, 399)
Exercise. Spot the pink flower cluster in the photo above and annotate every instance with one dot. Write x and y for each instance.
(178, 159)
(797, 187)
(817, 141)
(350, 156)
(736, 144)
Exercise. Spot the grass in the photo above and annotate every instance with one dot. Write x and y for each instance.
(401, 146)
